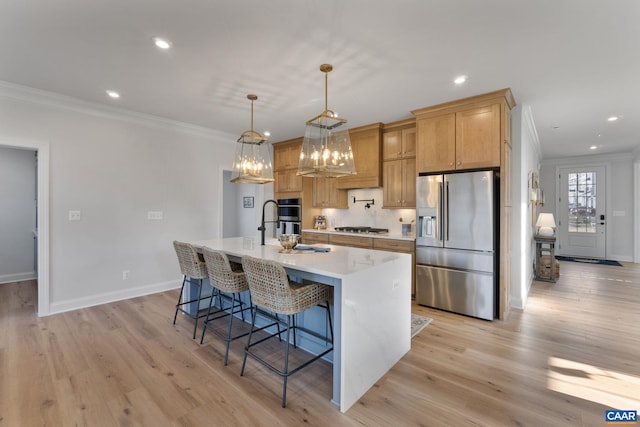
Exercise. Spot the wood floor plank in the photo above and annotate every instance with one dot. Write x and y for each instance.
(571, 354)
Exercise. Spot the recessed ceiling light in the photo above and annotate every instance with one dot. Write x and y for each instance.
(267, 133)
(113, 94)
(593, 147)
(613, 118)
(162, 43)
(460, 79)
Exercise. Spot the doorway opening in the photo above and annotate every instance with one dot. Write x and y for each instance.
(42, 215)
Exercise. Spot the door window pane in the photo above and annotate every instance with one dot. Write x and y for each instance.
(582, 202)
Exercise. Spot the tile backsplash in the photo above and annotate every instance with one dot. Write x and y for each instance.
(374, 216)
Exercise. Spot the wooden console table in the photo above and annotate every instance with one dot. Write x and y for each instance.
(545, 244)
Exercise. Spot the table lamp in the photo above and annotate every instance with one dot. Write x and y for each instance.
(546, 225)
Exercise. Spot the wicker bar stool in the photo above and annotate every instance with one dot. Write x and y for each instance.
(271, 290)
(229, 281)
(194, 271)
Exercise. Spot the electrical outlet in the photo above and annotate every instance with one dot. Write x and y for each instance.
(126, 274)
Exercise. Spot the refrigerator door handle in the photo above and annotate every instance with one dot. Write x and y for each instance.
(439, 217)
(446, 211)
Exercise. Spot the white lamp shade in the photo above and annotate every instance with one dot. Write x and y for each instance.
(546, 224)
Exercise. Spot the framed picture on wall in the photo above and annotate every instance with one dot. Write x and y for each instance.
(247, 202)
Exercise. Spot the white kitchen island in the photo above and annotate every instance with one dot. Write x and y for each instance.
(372, 305)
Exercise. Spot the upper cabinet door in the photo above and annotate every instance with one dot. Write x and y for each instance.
(287, 154)
(436, 151)
(392, 145)
(478, 137)
(409, 142)
(399, 144)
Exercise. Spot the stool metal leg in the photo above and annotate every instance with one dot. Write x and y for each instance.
(246, 349)
(286, 359)
(228, 339)
(195, 322)
(204, 324)
(175, 316)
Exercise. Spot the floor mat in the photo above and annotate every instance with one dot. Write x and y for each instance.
(418, 323)
(588, 260)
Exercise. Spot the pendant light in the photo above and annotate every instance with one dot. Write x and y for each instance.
(252, 163)
(326, 152)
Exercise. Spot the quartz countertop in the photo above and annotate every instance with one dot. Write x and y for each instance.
(340, 261)
(390, 235)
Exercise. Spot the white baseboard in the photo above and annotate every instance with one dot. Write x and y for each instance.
(93, 300)
(622, 258)
(18, 277)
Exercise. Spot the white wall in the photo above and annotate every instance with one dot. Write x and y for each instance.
(239, 221)
(620, 191)
(114, 167)
(17, 214)
(526, 159)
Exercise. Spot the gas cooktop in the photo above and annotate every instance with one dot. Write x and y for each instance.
(364, 230)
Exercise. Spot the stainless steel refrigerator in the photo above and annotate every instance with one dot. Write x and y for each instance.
(457, 242)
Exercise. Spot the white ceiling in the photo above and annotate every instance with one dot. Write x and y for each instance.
(574, 62)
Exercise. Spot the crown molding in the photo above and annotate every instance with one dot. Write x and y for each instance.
(56, 100)
(588, 159)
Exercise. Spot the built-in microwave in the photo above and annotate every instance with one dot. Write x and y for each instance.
(289, 210)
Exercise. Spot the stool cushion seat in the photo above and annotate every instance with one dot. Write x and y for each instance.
(271, 289)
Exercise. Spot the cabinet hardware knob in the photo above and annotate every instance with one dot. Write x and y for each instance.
(459, 163)
(450, 163)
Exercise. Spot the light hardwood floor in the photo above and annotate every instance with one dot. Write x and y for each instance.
(574, 352)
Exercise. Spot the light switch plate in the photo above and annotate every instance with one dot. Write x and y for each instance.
(75, 216)
(154, 215)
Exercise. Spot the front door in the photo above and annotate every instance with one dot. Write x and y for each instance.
(581, 211)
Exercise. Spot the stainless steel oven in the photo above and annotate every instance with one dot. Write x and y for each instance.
(289, 210)
(290, 216)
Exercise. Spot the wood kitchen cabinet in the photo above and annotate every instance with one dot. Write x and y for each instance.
(326, 195)
(366, 146)
(399, 183)
(399, 165)
(312, 238)
(285, 167)
(399, 144)
(352, 241)
(287, 181)
(459, 140)
(286, 154)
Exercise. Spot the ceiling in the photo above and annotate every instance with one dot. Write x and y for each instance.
(573, 62)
